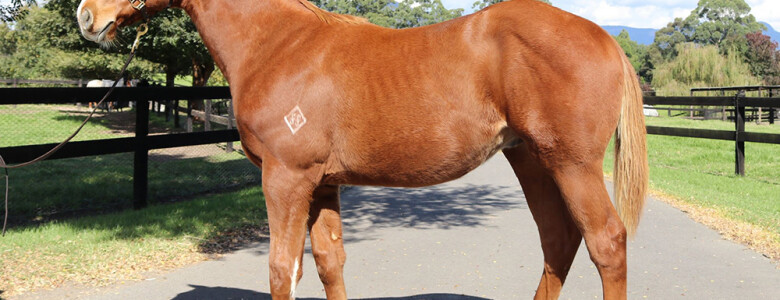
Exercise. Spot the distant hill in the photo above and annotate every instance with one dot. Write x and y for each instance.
(771, 32)
(643, 36)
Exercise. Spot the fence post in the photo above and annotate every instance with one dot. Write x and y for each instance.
(772, 110)
(723, 117)
(141, 159)
(176, 122)
(739, 121)
(207, 111)
(189, 116)
(691, 116)
(229, 148)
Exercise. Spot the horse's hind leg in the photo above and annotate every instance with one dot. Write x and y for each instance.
(559, 235)
(583, 190)
(326, 240)
(288, 197)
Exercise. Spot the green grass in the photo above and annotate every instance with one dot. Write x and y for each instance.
(701, 172)
(41, 124)
(710, 124)
(120, 246)
(60, 188)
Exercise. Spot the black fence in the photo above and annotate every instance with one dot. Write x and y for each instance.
(16, 82)
(739, 136)
(140, 144)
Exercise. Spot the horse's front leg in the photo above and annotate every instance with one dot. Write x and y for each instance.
(288, 195)
(326, 240)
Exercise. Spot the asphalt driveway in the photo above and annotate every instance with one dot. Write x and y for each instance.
(473, 238)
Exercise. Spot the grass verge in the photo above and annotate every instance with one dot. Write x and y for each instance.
(58, 188)
(697, 176)
(121, 246)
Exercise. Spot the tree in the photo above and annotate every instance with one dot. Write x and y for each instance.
(699, 66)
(637, 54)
(721, 19)
(485, 3)
(722, 23)
(423, 12)
(173, 42)
(763, 57)
(677, 32)
(388, 13)
(9, 13)
(38, 47)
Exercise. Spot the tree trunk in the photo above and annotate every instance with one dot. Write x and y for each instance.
(170, 77)
(201, 71)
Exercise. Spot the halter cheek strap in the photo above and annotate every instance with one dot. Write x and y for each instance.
(141, 6)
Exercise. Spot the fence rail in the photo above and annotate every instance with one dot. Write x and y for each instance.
(139, 145)
(739, 136)
(143, 142)
(15, 81)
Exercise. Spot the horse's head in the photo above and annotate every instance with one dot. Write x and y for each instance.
(100, 19)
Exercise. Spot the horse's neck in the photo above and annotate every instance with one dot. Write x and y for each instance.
(240, 31)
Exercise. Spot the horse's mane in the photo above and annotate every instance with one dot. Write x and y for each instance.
(328, 17)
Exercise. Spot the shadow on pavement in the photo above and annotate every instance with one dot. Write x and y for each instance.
(204, 292)
(366, 209)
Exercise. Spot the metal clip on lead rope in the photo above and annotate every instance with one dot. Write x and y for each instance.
(140, 31)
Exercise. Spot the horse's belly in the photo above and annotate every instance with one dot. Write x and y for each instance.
(417, 162)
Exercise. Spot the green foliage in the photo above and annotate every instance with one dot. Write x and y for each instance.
(485, 3)
(763, 57)
(175, 43)
(15, 10)
(424, 12)
(721, 19)
(388, 13)
(700, 66)
(636, 53)
(666, 39)
(41, 46)
(723, 23)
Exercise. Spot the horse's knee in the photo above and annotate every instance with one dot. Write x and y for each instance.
(284, 274)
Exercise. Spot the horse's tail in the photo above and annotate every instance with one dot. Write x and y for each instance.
(631, 171)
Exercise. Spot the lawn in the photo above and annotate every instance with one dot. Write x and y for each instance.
(41, 124)
(106, 249)
(66, 187)
(700, 172)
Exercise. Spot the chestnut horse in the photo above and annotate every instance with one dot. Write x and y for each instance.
(323, 99)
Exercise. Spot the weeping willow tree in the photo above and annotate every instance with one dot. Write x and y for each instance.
(701, 66)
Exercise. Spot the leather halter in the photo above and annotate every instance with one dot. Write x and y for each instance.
(141, 6)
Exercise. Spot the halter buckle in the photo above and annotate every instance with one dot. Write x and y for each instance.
(141, 4)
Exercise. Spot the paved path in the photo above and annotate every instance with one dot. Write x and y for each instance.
(474, 239)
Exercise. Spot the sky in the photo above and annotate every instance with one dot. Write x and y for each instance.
(634, 13)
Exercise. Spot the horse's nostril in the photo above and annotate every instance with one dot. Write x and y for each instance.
(86, 19)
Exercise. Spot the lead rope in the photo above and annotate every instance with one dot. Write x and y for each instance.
(140, 31)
